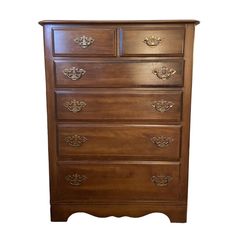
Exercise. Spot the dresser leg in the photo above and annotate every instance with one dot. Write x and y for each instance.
(59, 213)
(177, 215)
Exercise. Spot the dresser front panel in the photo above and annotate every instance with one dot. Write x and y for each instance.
(150, 42)
(113, 104)
(119, 73)
(70, 41)
(119, 140)
(118, 182)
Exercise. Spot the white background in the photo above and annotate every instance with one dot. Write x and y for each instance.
(24, 190)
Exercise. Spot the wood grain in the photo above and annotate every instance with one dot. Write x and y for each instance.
(136, 22)
(104, 41)
(172, 42)
(175, 212)
(119, 154)
(119, 140)
(117, 73)
(189, 38)
(113, 104)
(120, 182)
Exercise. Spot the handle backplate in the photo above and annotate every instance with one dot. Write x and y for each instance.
(74, 105)
(84, 41)
(74, 73)
(75, 140)
(161, 180)
(152, 41)
(162, 141)
(162, 105)
(75, 179)
(164, 73)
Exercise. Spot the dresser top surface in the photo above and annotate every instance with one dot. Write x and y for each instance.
(186, 21)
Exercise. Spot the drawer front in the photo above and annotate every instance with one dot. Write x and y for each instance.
(84, 41)
(119, 182)
(143, 42)
(114, 104)
(118, 73)
(91, 141)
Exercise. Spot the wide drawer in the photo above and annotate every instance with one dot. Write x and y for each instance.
(134, 141)
(84, 41)
(118, 182)
(118, 104)
(81, 73)
(150, 42)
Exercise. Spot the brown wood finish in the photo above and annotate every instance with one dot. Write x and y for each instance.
(119, 73)
(175, 212)
(134, 181)
(171, 44)
(104, 41)
(189, 38)
(118, 151)
(113, 104)
(51, 114)
(118, 22)
(119, 140)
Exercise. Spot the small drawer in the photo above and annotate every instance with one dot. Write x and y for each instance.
(121, 141)
(84, 41)
(151, 42)
(118, 182)
(82, 73)
(118, 104)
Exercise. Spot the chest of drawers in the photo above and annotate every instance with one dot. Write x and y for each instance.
(118, 103)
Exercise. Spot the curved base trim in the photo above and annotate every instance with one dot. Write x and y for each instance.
(61, 212)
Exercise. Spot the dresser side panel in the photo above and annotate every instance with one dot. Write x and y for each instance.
(48, 50)
(186, 110)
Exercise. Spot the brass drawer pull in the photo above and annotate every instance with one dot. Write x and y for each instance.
(164, 73)
(84, 41)
(162, 105)
(75, 179)
(74, 73)
(161, 180)
(152, 41)
(162, 141)
(74, 105)
(75, 140)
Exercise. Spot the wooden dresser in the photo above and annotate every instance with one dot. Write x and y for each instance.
(118, 103)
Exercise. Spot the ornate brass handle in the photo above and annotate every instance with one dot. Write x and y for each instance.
(162, 141)
(164, 73)
(75, 140)
(152, 41)
(74, 73)
(75, 179)
(162, 105)
(161, 180)
(74, 105)
(84, 41)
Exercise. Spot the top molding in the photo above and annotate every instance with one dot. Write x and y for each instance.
(44, 22)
